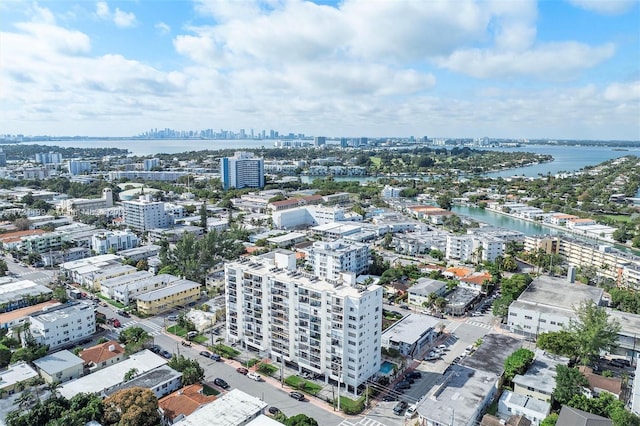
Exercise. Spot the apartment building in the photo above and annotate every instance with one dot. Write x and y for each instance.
(63, 325)
(243, 170)
(330, 327)
(106, 241)
(609, 262)
(330, 259)
(178, 293)
(144, 214)
(50, 241)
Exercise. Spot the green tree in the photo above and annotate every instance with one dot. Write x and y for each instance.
(134, 339)
(134, 406)
(301, 420)
(593, 330)
(142, 264)
(445, 202)
(4, 268)
(191, 370)
(130, 374)
(5, 356)
(550, 420)
(517, 363)
(60, 294)
(569, 382)
(559, 342)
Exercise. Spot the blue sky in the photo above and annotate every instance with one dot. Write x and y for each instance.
(452, 68)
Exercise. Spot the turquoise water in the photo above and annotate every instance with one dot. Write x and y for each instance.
(387, 367)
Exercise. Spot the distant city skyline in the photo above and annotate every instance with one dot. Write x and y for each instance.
(501, 69)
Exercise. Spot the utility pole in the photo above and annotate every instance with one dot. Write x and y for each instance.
(282, 370)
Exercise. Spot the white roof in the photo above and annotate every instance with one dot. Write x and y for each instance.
(57, 362)
(110, 376)
(233, 408)
(16, 373)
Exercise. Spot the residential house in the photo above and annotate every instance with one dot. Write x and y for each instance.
(181, 403)
(102, 355)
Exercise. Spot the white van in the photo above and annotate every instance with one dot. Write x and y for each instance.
(411, 411)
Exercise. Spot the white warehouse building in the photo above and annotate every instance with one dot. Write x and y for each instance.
(321, 327)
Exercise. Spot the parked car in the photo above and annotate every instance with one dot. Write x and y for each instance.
(404, 307)
(216, 357)
(124, 313)
(414, 374)
(402, 385)
(242, 370)
(399, 408)
(172, 318)
(274, 410)
(165, 354)
(192, 334)
(297, 395)
(205, 354)
(442, 347)
(411, 411)
(254, 376)
(116, 322)
(220, 382)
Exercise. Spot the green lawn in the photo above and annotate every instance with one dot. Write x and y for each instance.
(110, 301)
(350, 406)
(225, 351)
(303, 385)
(252, 362)
(177, 330)
(267, 369)
(208, 390)
(619, 218)
(375, 161)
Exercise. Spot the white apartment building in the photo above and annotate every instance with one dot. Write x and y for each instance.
(330, 259)
(622, 267)
(128, 292)
(548, 305)
(331, 328)
(308, 215)
(63, 325)
(117, 240)
(391, 191)
(144, 214)
(243, 170)
(472, 248)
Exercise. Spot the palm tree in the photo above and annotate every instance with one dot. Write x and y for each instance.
(25, 400)
(53, 389)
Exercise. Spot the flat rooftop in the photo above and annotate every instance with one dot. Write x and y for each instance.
(410, 328)
(265, 266)
(232, 408)
(173, 288)
(20, 372)
(541, 375)
(63, 311)
(460, 394)
(559, 293)
(148, 380)
(108, 377)
(490, 356)
(57, 362)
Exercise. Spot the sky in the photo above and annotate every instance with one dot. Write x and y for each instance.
(557, 69)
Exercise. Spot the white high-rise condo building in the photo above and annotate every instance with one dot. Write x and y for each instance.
(144, 214)
(243, 170)
(330, 259)
(329, 328)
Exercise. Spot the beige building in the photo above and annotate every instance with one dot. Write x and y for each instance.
(179, 293)
(60, 367)
(16, 378)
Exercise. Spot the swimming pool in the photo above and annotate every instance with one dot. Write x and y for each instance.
(387, 367)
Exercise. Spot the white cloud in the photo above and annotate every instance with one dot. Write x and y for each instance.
(623, 92)
(119, 17)
(102, 10)
(550, 61)
(162, 27)
(124, 19)
(605, 7)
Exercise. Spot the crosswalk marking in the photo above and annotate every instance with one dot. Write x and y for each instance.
(365, 421)
(479, 324)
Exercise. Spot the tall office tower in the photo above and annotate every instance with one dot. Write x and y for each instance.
(332, 328)
(319, 140)
(144, 214)
(243, 170)
(77, 167)
(343, 142)
(331, 259)
(3, 158)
